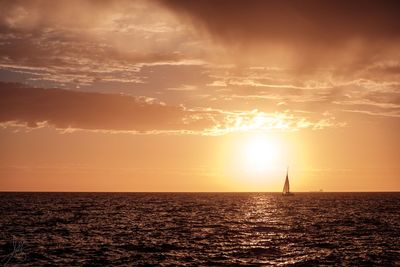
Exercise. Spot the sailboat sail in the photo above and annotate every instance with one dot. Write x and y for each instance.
(286, 186)
(286, 190)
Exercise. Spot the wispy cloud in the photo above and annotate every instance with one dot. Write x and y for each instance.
(394, 113)
(82, 42)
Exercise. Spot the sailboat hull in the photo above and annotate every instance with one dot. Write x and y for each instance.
(287, 194)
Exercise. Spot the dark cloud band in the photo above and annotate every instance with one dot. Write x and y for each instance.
(306, 32)
(304, 20)
(83, 110)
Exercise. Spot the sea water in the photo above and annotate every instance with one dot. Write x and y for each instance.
(199, 229)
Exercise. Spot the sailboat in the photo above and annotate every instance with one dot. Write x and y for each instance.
(286, 189)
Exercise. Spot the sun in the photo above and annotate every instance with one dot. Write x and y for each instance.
(260, 154)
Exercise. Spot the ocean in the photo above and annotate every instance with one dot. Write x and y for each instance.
(206, 229)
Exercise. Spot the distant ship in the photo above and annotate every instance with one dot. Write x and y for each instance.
(286, 187)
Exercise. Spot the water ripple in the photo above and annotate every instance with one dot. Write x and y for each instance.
(200, 229)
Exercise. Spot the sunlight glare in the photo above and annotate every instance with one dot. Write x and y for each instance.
(260, 154)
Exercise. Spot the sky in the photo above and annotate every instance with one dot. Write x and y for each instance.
(176, 95)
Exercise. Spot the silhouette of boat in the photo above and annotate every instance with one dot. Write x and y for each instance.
(286, 187)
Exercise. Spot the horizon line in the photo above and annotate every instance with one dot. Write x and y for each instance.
(32, 191)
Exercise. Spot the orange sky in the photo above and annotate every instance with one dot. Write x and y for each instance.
(199, 95)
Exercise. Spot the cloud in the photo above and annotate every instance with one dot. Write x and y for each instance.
(328, 21)
(273, 56)
(306, 32)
